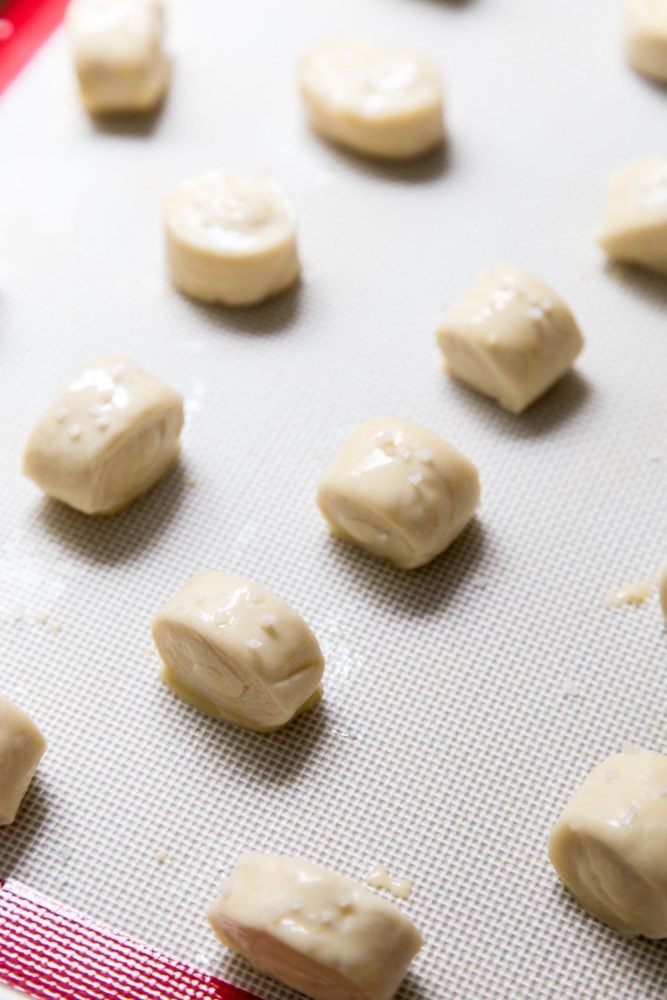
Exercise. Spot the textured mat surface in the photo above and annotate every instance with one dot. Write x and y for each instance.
(463, 702)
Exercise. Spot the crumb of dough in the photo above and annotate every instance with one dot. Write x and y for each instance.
(632, 593)
(379, 878)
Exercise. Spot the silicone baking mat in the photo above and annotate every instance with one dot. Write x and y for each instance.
(464, 701)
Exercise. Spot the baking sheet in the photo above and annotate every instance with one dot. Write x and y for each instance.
(464, 701)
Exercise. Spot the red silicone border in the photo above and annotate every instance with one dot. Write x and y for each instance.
(24, 26)
(53, 953)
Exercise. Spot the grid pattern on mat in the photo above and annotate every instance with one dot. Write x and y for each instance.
(463, 702)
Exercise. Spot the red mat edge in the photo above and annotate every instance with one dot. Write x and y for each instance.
(24, 27)
(51, 952)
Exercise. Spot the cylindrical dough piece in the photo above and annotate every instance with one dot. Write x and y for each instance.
(107, 438)
(609, 845)
(21, 749)
(235, 651)
(510, 336)
(118, 53)
(633, 229)
(231, 238)
(399, 491)
(646, 37)
(319, 932)
(378, 101)
(662, 585)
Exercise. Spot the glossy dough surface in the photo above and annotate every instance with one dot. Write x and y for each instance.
(107, 438)
(118, 53)
(633, 229)
(378, 101)
(609, 844)
(21, 749)
(231, 238)
(319, 932)
(399, 491)
(510, 337)
(235, 651)
(646, 37)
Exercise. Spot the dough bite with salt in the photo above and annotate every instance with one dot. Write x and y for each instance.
(118, 53)
(237, 652)
(399, 491)
(646, 37)
(633, 229)
(510, 337)
(231, 238)
(21, 749)
(609, 844)
(378, 101)
(110, 435)
(322, 934)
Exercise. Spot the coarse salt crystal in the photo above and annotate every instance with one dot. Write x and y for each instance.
(266, 621)
(385, 437)
(253, 643)
(74, 431)
(425, 455)
(416, 478)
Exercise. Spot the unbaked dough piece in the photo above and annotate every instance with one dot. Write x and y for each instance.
(646, 37)
(662, 585)
(634, 222)
(118, 53)
(319, 932)
(107, 438)
(609, 844)
(235, 651)
(231, 238)
(399, 491)
(21, 749)
(509, 337)
(379, 101)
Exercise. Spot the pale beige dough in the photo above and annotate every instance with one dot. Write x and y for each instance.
(633, 229)
(110, 435)
(399, 491)
(646, 37)
(608, 846)
(379, 101)
(118, 53)
(319, 932)
(231, 238)
(21, 749)
(235, 651)
(662, 585)
(510, 337)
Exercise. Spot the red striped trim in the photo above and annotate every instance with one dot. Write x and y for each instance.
(24, 25)
(53, 953)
